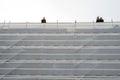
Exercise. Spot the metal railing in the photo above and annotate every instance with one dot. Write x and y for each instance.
(77, 25)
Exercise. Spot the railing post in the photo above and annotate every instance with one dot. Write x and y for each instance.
(26, 24)
(9, 24)
(4, 21)
(4, 24)
(112, 22)
(75, 23)
(57, 23)
(93, 24)
(74, 29)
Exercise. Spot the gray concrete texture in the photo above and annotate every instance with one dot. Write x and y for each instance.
(59, 53)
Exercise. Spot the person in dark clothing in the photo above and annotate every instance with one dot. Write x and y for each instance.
(99, 19)
(43, 20)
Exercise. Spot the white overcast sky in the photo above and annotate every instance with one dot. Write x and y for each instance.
(61, 10)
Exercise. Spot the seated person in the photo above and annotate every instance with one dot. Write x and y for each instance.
(43, 20)
(99, 19)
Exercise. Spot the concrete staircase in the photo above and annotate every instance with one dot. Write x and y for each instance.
(66, 51)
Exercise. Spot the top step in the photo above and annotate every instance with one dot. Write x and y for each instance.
(59, 25)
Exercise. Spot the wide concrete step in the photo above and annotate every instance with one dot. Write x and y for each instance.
(58, 30)
(65, 64)
(60, 37)
(60, 43)
(60, 72)
(59, 51)
(60, 57)
(41, 77)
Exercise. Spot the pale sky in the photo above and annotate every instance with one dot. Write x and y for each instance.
(61, 10)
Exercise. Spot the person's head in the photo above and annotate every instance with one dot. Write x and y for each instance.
(43, 17)
(97, 17)
(100, 17)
